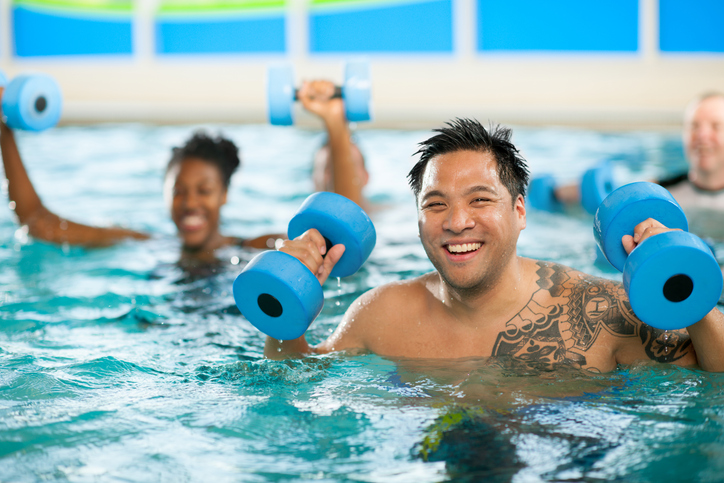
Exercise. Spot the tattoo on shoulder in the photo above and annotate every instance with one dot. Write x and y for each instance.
(583, 308)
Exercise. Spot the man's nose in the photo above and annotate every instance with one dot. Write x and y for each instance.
(459, 219)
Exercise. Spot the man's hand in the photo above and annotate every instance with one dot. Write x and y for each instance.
(642, 231)
(310, 248)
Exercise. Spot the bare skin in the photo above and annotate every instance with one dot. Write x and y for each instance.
(339, 165)
(194, 187)
(484, 300)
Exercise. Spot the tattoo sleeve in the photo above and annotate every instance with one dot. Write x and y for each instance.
(567, 315)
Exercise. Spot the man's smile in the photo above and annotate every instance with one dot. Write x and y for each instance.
(462, 248)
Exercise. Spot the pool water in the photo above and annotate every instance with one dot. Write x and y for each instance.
(119, 365)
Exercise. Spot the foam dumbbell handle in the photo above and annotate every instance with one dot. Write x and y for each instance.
(341, 221)
(32, 102)
(628, 206)
(541, 194)
(279, 295)
(672, 280)
(596, 184)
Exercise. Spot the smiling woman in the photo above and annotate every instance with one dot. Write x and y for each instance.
(196, 185)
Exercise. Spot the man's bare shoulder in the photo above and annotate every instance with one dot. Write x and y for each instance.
(382, 311)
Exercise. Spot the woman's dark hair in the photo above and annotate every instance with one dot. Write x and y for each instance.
(470, 135)
(218, 151)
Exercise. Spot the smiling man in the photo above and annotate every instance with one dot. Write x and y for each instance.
(483, 299)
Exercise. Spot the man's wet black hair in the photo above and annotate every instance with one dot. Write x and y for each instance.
(470, 135)
(219, 151)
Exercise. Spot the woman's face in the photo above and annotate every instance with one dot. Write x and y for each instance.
(195, 192)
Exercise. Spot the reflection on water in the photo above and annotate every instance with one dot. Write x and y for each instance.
(123, 365)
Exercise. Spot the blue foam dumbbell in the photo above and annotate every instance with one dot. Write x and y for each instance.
(355, 91)
(672, 279)
(596, 183)
(277, 293)
(31, 102)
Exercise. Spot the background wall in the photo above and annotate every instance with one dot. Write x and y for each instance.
(618, 63)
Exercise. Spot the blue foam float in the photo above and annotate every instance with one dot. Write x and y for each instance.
(277, 293)
(356, 92)
(672, 279)
(280, 95)
(32, 102)
(541, 194)
(596, 184)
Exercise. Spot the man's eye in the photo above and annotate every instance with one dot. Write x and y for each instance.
(434, 204)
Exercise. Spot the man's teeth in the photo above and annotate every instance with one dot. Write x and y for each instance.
(465, 247)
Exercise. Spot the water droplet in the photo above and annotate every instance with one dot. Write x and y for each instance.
(666, 341)
(11, 205)
(235, 260)
(63, 225)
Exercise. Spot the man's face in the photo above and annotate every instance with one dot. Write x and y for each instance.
(469, 223)
(704, 137)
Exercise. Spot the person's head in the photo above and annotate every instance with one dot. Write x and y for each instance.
(704, 139)
(470, 184)
(196, 184)
(322, 168)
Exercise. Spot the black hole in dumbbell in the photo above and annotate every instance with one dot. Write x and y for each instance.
(678, 288)
(41, 103)
(329, 245)
(269, 305)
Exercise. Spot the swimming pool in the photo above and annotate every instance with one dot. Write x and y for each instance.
(117, 365)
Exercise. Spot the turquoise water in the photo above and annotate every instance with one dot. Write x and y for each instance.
(117, 365)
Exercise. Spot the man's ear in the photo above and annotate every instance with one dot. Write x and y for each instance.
(520, 210)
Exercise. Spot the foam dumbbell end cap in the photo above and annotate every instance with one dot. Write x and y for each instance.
(341, 221)
(625, 208)
(356, 91)
(32, 102)
(279, 295)
(672, 280)
(596, 184)
(280, 95)
(541, 194)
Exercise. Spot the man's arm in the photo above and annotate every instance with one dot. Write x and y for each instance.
(309, 248)
(316, 97)
(706, 336)
(41, 222)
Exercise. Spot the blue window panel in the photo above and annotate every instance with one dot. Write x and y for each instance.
(691, 25)
(558, 25)
(38, 33)
(242, 35)
(409, 27)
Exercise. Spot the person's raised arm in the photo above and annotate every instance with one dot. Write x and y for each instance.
(347, 166)
(41, 222)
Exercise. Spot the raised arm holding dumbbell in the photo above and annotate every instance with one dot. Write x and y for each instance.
(338, 165)
(196, 182)
(33, 102)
